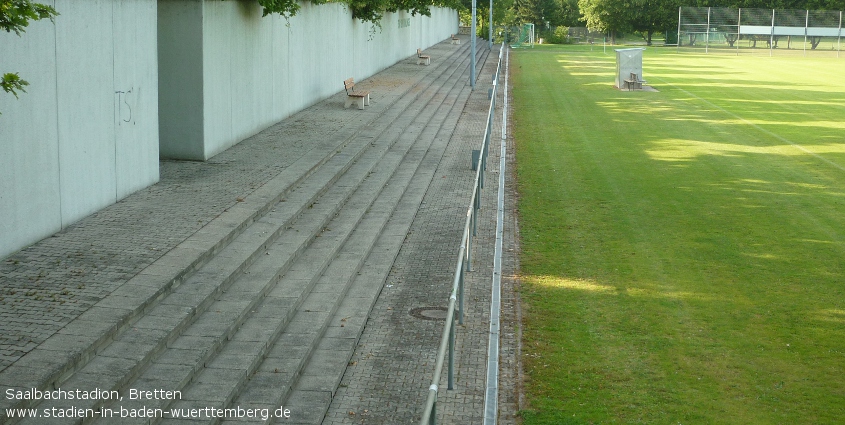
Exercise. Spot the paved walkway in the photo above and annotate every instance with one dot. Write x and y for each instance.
(69, 298)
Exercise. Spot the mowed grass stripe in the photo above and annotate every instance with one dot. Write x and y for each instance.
(680, 264)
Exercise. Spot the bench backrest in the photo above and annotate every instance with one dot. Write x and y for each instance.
(349, 85)
(419, 52)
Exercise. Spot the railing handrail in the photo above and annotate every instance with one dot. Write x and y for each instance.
(464, 263)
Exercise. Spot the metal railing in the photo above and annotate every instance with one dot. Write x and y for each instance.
(456, 299)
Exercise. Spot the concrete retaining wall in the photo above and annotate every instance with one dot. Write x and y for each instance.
(114, 84)
(86, 132)
(226, 72)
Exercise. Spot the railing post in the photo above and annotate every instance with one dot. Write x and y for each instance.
(475, 208)
(451, 373)
(486, 144)
(469, 251)
(461, 299)
(432, 420)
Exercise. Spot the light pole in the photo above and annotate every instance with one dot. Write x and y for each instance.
(490, 24)
(472, 49)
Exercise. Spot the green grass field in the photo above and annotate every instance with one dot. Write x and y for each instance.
(683, 250)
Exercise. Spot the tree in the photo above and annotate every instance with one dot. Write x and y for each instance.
(501, 8)
(607, 16)
(15, 16)
(566, 14)
(651, 16)
(528, 11)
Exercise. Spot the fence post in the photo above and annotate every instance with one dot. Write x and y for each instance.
(679, 28)
(707, 36)
(772, 36)
(738, 29)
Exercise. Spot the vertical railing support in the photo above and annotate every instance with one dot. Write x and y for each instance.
(461, 300)
(469, 244)
(451, 373)
(432, 420)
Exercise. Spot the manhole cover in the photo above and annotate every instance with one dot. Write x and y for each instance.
(430, 313)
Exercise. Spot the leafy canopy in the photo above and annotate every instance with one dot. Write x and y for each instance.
(15, 16)
(364, 10)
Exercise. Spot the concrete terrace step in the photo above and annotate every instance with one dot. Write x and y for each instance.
(50, 363)
(306, 379)
(312, 393)
(239, 358)
(105, 351)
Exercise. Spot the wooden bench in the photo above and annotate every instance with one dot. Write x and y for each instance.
(455, 39)
(362, 97)
(423, 59)
(634, 82)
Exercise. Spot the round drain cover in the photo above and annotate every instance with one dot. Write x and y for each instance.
(430, 313)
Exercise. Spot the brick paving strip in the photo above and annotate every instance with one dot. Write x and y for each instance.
(247, 280)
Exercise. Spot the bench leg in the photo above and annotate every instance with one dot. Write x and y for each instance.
(348, 102)
(367, 100)
(361, 102)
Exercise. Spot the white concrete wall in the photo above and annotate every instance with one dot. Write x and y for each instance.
(256, 70)
(86, 132)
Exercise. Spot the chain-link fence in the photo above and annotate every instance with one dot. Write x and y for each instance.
(761, 31)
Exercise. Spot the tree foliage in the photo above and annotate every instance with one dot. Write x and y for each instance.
(771, 4)
(654, 16)
(607, 16)
(529, 11)
(364, 10)
(15, 16)
(644, 16)
(566, 13)
(285, 8)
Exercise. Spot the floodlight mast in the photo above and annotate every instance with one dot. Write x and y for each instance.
(490, 25)
(472, 49)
